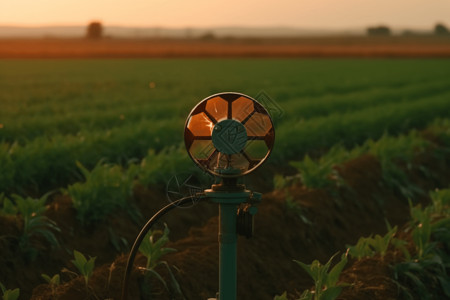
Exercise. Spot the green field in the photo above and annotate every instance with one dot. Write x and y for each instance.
(56, 112)
(355, 140)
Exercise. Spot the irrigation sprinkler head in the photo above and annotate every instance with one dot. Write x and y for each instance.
(229, 134)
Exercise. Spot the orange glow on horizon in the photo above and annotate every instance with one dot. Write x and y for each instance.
(205, 13)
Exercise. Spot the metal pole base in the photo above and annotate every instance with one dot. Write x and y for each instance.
(229, 195)
(228, 204)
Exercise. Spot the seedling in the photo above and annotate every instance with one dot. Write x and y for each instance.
(326, 285)
(35, 224)
(422, 275)
(321, 173)
(52, 281)
(380, 244)
(280, 182)
(427, 270)
(281, 297)
(314, 174)
(424, 222)
(441, 202)
(421, 224)
(9, 294)
(154, 249)
(361, 249)
(84, 266)
(368, 246)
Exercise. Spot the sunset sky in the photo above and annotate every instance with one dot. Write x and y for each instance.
(205, 13)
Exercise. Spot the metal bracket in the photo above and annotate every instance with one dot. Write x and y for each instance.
(244, 220)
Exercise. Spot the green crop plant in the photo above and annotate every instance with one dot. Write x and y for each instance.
(326, 286)
(153, 249)
(440, 211)
(417, 279)
(418, 274)
(314, 174)
(159, 167)
(421, 278)
(35, 224)
(402, 246)
(280, 182)
(369, 246)
(9, 294)
(440, 202)
(402, 147)
(433, 218)
(361, 249)
(106, 189)
(391, 150)
(53, 281)
(29, 207)
(321, 173)
(426, 271)
(421, 229)
(84, 266)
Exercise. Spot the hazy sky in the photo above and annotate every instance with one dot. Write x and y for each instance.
(201, 13)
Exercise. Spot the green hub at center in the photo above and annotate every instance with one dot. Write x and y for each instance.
(229, 136)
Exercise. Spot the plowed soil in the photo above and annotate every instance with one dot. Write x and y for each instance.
(357, 46)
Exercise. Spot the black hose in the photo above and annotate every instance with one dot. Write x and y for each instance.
(142, 234)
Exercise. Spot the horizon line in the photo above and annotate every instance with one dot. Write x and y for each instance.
(292, 27)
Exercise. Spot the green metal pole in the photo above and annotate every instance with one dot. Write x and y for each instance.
(228, 204)
(227, 251)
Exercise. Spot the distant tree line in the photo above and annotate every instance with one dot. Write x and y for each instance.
(95, 31)
(439, 29)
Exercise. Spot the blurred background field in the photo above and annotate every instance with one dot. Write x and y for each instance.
(57, 112)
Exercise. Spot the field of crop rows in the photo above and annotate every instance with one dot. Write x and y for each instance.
(87, 148)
